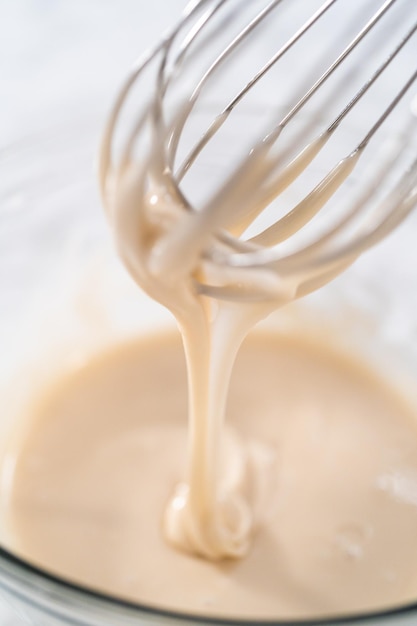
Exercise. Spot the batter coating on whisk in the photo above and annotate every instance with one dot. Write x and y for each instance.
(192, 260)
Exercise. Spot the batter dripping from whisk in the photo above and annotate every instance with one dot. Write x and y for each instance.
(326, 525)
(186, 259)
(207, 515)
(169, 252)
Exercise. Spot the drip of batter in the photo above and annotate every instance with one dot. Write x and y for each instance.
(163, 246)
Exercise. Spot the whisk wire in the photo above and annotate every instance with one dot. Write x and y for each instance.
(214, 127)
(213, 232)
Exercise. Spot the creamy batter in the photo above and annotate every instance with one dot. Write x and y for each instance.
(324, 455)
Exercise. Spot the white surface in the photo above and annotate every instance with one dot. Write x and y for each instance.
(8, 617)
(61, 56)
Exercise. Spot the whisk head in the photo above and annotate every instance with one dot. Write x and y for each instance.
(266, 144)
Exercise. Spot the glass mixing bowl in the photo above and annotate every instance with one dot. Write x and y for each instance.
(64, 296)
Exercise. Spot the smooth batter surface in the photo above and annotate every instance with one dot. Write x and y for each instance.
(334, 491)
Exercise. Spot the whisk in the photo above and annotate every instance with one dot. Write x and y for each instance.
(248, 120)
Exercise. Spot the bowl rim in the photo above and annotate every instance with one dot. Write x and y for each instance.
(30, 579)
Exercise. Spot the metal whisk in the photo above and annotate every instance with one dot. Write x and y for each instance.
(250, 119)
